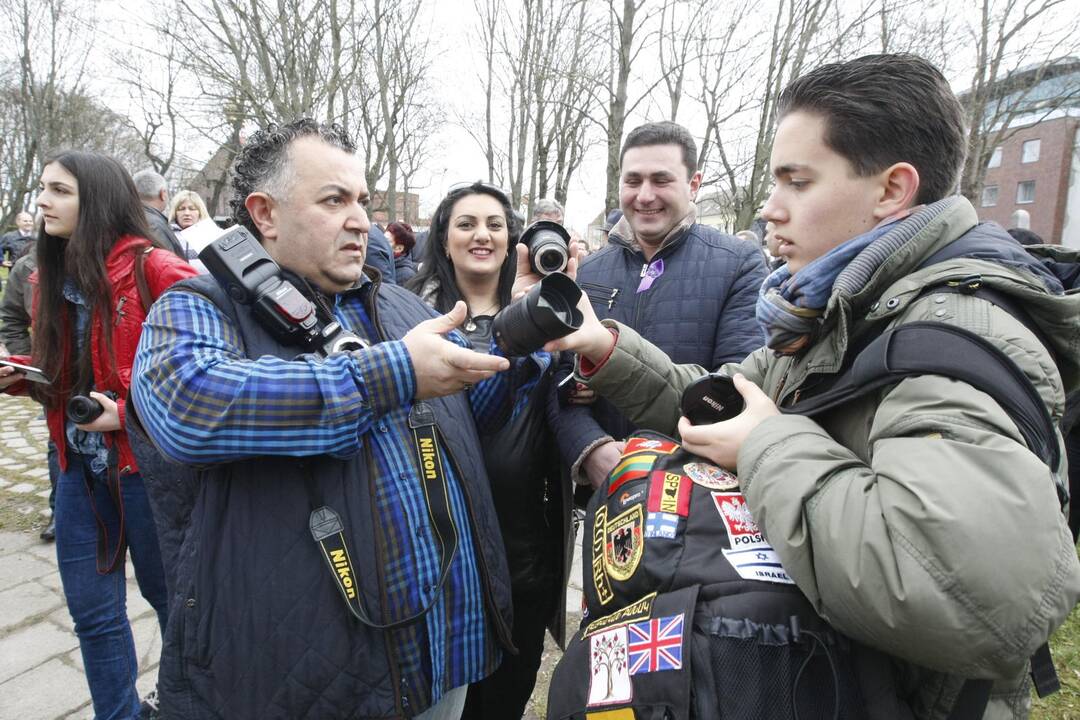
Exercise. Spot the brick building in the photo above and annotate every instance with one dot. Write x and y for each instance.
(1033, 171)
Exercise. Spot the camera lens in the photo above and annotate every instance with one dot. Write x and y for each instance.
(82, 409)
(549, 246)
(549, 311)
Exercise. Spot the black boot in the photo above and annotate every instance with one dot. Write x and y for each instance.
(49, 533)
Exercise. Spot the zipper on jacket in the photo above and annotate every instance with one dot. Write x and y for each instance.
(603, 293)
(120, 309)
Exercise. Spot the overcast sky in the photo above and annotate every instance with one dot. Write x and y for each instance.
(455, 52)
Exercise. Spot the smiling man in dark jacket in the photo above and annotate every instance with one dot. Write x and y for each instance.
(686, 287)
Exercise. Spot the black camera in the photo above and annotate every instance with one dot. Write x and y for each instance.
(549, 246)
(251, 277)
(711, 399)
(547, 312)
(82, 409)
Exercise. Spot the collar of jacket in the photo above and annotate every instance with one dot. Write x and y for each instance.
(623, 234)
(860, 287)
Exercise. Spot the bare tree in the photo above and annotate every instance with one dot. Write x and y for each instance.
(46, 102)
(1019, 44)
(280, 60)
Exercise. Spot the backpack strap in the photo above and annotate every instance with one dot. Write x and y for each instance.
(145, 295)
(930, 348)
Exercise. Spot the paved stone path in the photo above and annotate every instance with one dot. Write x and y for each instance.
(41, 676)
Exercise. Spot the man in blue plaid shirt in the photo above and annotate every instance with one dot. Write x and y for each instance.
(261, 625)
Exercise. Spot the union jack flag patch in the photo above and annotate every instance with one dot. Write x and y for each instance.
(656, 644)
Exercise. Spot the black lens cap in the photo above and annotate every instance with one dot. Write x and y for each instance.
(711, 399)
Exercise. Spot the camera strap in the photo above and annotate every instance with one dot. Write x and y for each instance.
(328, 530)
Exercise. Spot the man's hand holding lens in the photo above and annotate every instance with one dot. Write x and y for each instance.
(441, 367)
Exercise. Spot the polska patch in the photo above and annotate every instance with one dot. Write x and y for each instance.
(609, 676)
(640, 610)
(656, 645)
(710, 476)
(668, 493)
(639, 444)
(750, 555)
(624, 544)
(600, 578)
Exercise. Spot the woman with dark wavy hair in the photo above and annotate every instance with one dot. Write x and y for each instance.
(89, 315)
(471, 255)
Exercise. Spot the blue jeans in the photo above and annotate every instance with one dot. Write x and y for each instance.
(98, 603)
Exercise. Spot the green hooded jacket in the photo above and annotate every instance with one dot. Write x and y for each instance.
(915, 519)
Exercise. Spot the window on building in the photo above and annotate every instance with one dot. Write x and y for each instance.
(990, 196)
(1025, 192)
(1030, 152)
(995, 158)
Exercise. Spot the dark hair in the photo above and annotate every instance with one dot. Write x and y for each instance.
(435, 263)
(109, 207)
(262, 163)
(883, 109)
(1024, 236)
(664, 133)
(403, 233)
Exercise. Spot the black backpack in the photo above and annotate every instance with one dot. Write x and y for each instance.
(689, 613)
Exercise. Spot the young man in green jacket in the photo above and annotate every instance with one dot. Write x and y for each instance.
(914, 518)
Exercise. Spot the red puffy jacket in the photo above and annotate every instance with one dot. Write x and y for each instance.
(163, 268)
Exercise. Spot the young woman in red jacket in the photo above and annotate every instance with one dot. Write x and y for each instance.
(86, 325)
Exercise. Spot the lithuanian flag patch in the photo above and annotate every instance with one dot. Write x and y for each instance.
(630, 468)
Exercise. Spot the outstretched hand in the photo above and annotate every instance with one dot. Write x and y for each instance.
(441, 367)
(720, 442)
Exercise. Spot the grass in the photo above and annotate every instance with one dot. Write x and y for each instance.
(1065, 647)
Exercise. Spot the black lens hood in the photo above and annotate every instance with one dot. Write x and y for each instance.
(547, 312)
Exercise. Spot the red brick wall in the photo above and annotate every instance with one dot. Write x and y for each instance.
(1050, 173)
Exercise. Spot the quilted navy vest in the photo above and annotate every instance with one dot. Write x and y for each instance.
(257, 629)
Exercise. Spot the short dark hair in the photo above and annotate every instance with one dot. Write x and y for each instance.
(883, 109)
(261, 164)
(664, 133)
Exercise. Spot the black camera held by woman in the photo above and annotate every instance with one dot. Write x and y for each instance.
(83, 409)
(549, 246)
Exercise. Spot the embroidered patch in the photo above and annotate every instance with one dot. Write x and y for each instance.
(656, 645)
(609, 677)
(661, 525)
(635, 611)
(628, 497)
(620, 714)
(600, 579)
(750, 555)
(631, 468)
(710, 476)
(639, 444)
(623, 544)
(668, 493)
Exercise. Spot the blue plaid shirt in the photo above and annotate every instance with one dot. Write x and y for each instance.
(204, 401)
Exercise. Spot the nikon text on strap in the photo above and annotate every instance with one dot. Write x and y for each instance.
(329, 532)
